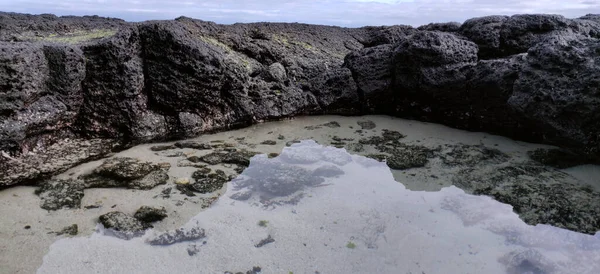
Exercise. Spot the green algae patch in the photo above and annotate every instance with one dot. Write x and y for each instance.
(263, 223)
(75, 37)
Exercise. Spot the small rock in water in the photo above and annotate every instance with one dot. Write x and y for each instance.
(557, 158)
(92, 206)
(207, 183)
(290, 143)
(268, 142)
(392, 135)
(185, 190)
(123, 225)
(273, 155)
(281, 137)
(328, 171)
(27, 227)
(177, 236)
(71, 230)
(192, 250)
(356, 147)
(148, 214)
(171, 154)
(367, 124)
(241, 196)
(332, 124)
(194, 159)
(339, 139)
(193, 145)
(162, 148)
(127, 172)
(265, 241)
(241, 157)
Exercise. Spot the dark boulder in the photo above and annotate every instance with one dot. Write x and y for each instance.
(558, 88)
(521, 32)
(444, 27)
(485, 32)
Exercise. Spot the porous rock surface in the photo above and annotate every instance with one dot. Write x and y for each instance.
(67, 81)
(126, 172)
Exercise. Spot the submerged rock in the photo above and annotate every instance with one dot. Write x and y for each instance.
(268, 142)
(241, 157)
(332, 124)
(265, 241)
(148, 214)
(124, 226)
(124, 168)
(368, 124)
(193, 145)
(355, 147)
(557, 158)
(471, 155)
(162, 148)
(386, 137)
(208, 182)
(177, 236)
(400, 156)
(538, 194)
(273, 179)
(328, 171)
(127, 172)
(58, 194)
(71, 230)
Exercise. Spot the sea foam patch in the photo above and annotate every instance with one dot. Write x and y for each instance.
(318, 209)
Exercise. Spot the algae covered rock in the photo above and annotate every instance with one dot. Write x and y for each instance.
(58, 194)
(122, 225)
(540, 195)
(367, 124)
(193, 145)
(238, 157)
(148, 214)
(177, 236)
(127, 172)
(556, 158)
(208, 182)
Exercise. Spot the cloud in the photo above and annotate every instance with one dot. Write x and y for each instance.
(330, 12)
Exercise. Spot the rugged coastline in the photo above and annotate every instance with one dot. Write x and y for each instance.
(108, 121)
(89, 85)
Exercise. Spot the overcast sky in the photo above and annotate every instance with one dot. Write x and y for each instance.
(329, 12)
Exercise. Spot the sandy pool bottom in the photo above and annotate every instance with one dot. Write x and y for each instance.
(22, 250)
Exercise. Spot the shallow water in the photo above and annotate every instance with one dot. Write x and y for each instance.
(331, 212)
(342, 204)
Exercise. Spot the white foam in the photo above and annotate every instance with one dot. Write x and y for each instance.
(394, 230)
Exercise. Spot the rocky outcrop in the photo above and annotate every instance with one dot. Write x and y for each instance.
(105, 81)
(529, 77)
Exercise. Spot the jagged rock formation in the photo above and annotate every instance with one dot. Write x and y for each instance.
(105, 81)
